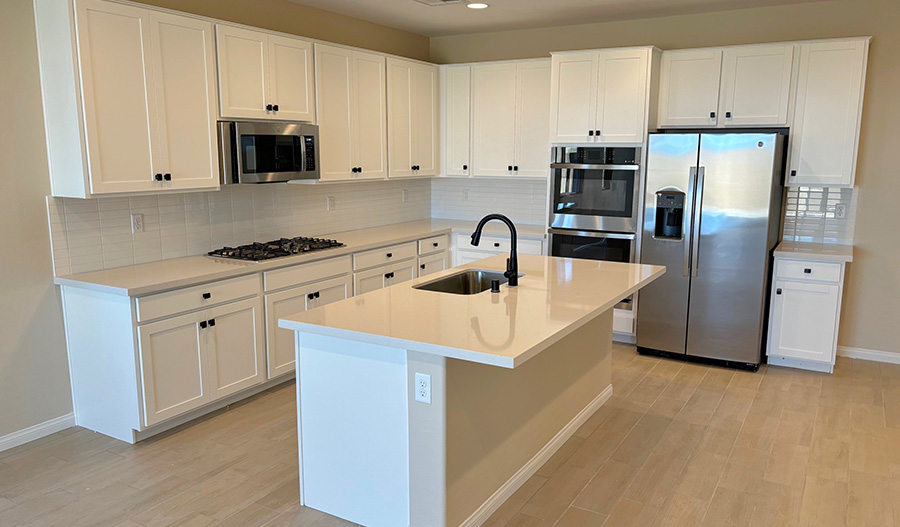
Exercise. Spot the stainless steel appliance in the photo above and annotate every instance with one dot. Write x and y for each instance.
(268, 152)
(595, 188)
(257, 252)
(712, 216)
(588, 245)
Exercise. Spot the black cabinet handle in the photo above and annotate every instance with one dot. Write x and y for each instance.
(465, 167)
(317, 294)
(158, 177)
(509, 168)
(269, 108)
(422, 266)
(435, 244)
(728, 115)
(515, 168)
(310, 296)
(793, 173)
(597, 133)
(778, 291)
(496, 244)
(202, 324)
(389, 275)
(212, 322)
(275, 107)
(167, 177)
(807, 271)
(591, 133)
(712, 115)
(390, 255)
(359, 169)
(207, 296)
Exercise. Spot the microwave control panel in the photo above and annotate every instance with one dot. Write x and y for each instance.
(309, 146)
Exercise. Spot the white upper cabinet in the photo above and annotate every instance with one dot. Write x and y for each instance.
(350, 94)
(457, 96)
(264, 76)
(412, 118)
(756, 85)
(510, 111)
(689, 87)
(825, 131)
(600, 96)
(494, 118)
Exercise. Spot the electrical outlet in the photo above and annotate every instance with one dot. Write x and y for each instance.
(404, 195)
(137, 223)
(423, 388)
(329, 203)
(840, 210)
(465, 194)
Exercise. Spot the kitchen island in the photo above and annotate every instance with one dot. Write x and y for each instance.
(427, 408)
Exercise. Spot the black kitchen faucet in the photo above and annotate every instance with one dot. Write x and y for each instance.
(512, 263)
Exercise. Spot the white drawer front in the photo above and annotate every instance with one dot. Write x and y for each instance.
(196, 297)
(304, 273)
(498, 244)
(385, 255)
(434, 244)
(807, 270)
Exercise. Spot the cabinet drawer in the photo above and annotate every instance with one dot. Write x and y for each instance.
(434, 244)
(311, 272)
(498, 244)
(807, 270)
(197, 297)
(385, 255)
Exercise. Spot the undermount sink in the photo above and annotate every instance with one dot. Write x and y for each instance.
(469, 282)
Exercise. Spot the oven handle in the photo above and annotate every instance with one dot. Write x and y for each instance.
(591, 234)
(578, 166)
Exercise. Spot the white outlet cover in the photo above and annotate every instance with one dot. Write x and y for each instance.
(137, 223)
(840, 210)
(423, 388)
(329, 202)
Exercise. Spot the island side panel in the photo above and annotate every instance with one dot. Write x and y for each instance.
(427, 443)
(500, 420)
(352, 411)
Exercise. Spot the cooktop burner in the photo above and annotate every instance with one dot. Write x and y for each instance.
(257, 252)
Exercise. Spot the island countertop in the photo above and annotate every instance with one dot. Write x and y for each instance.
(555, 297)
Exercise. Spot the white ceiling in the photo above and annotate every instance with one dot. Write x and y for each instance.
(520, 14)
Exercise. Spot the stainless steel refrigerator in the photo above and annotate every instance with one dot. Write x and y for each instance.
(712, 216)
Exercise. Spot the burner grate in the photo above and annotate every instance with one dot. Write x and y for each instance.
(257, 251)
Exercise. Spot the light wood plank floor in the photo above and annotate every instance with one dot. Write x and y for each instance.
(678, 444)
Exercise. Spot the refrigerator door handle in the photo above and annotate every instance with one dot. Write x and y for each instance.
(688, 220)
(698, 214)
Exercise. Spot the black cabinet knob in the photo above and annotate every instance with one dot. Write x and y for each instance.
(597, 133)
(515, 168)
(269, 108)
(728, 115)
(212, 322)
(509, 168)
(310, 296)
(158, 177)
(422, 266)
(359, 169)
(496, 244)
(712, 115)
(275, 107)
(793, 173)
(207, 296)
(591, 133)
(807, 271)
(390, 255)
(389, 275)
(167, 177)
(202, 324)
(355, 170)
(778, 291)
(435, 244)
(317, 294)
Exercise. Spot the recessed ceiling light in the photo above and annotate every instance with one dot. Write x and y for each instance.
(476, 5)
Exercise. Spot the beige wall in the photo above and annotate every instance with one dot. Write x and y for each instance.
(872, 293)
(289, 17)
(34, 373)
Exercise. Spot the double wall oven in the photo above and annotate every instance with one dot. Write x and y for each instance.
(595, 204)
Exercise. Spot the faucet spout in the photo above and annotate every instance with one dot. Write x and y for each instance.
(512, 263)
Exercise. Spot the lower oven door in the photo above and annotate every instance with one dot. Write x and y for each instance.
(603, 246)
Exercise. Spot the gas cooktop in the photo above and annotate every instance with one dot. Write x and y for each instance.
(257, 252)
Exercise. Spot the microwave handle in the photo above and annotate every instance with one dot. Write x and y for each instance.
(303, 167)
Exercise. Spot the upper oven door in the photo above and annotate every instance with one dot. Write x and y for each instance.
(265, 152)
(596, 194)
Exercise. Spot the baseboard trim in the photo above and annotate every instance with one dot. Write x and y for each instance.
(534, 464)
(865, 354)
(37, 431)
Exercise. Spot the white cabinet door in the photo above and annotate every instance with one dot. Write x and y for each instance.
(434, 263)
(426, 137)
(401, 273)
(532, 146)
(368, 137)
(280, 342)
(756, 84)
(622, 93)
(371, 280)
(804, 320)
(494, 118)
(243, 66)
(173, 369)
(825, 130)
(118, 96)
(236, 352)
(334, 110)
(463, 257)
(401, 114)
(290, 63)
(457, 129)
(573, 96)
(689, 87)
(184, 75)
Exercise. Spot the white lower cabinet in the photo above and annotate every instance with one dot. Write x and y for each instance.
(804, 315)
(235, 347)
(280, 342)
(433, 263)
(384, 276)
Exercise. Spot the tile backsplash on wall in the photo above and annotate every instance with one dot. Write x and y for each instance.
(89, 235)
(811, 214)
(523, 200)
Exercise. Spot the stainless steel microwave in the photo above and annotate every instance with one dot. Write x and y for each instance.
(268, 152)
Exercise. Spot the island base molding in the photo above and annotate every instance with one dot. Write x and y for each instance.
(371, 454)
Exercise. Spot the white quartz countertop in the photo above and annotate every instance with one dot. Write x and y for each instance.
(154, 277)
(814, 251)
(555, 297)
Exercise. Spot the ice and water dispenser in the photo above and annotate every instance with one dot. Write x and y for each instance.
(669, 214)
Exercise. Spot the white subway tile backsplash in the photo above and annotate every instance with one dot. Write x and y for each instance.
(523, 200)
(88, 235)
(810, 214)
